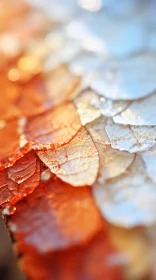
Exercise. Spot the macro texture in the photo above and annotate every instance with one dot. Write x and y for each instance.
(78, 137)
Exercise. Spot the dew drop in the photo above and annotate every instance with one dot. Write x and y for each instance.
(10, 210)
(45, 175)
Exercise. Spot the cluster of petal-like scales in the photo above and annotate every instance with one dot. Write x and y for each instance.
(78, 137)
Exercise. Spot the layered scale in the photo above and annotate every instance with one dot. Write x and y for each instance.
(78, 137)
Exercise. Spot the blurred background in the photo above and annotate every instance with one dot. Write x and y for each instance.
(125, 22)
(8, 263)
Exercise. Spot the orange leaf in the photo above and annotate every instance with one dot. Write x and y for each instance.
(56, 216)
(91, 262)
(53, 128)
(19, 180)
(10, 150)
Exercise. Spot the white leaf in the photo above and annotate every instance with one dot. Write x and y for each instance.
(108, 107)
(141, 112)
(130, 199)
(112, 162)
(129, 79)
(85, 109)
(131, 138)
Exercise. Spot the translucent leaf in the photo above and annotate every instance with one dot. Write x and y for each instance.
(131, 138)
(76, 163)
(10, 149)
(23, 168)
(53, 128)
(128, 200)
(112, 162)
(141, 112)
(107, 107)
(51, 217)
(97, 131)
(19, 180)
(87, 112)
(149, 158)
(121, 79)
(56, 227)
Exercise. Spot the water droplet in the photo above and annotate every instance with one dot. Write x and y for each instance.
(55, 166)
(10, 210)
(45, 175)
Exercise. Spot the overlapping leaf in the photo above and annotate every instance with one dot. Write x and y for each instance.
(77, 162)
(108, 107)
(85, 108)
(54, 128)
(19, 180)
(128, 200)
(131, 138)
(56, 216)
(90, 140)
(120, 80)
(10, 149)
(140, 112)
(112, 162)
